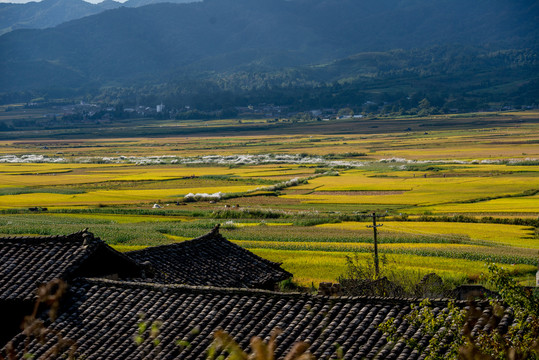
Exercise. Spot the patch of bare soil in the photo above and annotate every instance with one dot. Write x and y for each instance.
(298, 192)
(261, 200)
(362, 192)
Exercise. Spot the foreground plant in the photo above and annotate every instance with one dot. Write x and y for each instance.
(440, 326)
(259, 350)
(521, 341)
(33, 326)
(451, 330)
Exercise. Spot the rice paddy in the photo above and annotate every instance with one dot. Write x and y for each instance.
(495, 234)
(316, 266)
(299, 199)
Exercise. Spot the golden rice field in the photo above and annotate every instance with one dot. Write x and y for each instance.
(313, 267)
(488, 173)
(73, 173)
(125, 219)
(476, 138)
(521, 206)
(111, 197)
(423, 190)
(510, 235)
(351, 246)
(317, 266)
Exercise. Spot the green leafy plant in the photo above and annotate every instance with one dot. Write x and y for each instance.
(521, 340)
(360, 279)
(33, 326)
(147, 330)
(518, 342)
(438, 326)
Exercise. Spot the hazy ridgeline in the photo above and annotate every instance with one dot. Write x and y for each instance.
(217, 55)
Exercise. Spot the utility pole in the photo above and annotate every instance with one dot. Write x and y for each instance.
(374, 226)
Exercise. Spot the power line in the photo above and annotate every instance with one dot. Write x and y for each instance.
(374, 227)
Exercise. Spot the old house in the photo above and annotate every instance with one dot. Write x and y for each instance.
(28, 262)
(111, 307)
(210, 260)
(103, 316)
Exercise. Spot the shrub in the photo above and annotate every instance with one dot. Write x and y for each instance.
(360, 279)
(519, 341)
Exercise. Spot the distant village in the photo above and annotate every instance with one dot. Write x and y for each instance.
(93, 112)
(51, 114)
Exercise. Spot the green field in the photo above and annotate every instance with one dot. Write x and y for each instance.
(451, 198)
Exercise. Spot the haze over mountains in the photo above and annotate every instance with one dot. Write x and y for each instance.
(227, 41)
(49, 13)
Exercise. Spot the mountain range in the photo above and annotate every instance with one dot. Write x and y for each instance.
(315, 41)
(49, 13)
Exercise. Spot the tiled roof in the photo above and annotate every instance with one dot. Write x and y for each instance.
(102, 317)
(210, 260)
(27, 262)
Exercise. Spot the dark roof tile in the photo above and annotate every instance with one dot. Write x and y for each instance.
(102, 316)
(210, 260)
(27, 262)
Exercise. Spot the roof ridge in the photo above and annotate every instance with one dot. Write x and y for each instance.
(274, 265)
(213, 233)
(84, 234)
(250, 291)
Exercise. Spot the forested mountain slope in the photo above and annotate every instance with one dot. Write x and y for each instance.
(152, 42)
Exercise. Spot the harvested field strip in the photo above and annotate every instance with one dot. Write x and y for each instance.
(297, 192)
(494, 168)
(230, 224)
(361, 192)
(412, 191)
(320, 198)
(50, 179)
(38, 168)
(14, 190)
(278, 172)
(525, 204)
(40, 172)
(111, 196)
(426, 197)
(52, 174)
